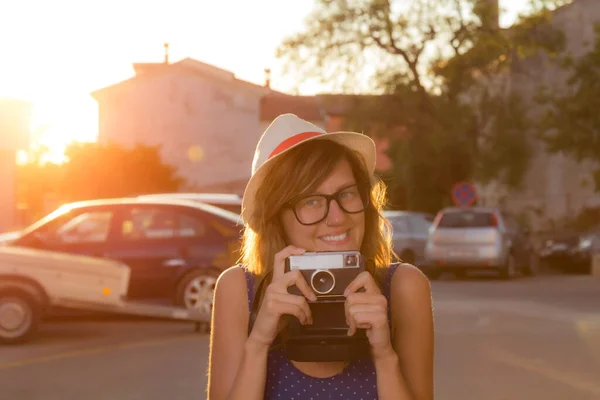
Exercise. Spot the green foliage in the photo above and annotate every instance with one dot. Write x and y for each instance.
(571, 123)
(94, 171)
(426, 56)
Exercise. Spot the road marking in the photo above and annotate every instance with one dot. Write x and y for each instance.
(95, 350)
(575, 381)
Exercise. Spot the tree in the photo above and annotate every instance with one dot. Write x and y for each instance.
(571, 122)
(427, 55)
(97, 170)
(93, 171)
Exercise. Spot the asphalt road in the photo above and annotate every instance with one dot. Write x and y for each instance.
(532, 338)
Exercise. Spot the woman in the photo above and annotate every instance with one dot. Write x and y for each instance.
(315, 191)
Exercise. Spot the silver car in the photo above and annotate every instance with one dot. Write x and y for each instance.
(410, 231)
(479, 239)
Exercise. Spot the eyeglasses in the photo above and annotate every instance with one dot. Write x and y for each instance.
(313, 209)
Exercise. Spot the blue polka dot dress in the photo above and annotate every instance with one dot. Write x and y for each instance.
(285, 381)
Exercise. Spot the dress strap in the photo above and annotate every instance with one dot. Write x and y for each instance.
(249, 287)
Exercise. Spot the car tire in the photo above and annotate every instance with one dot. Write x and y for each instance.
(20, 316)
(196, 290)
(510, 269)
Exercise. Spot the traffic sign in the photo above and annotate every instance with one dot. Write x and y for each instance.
(464, 194)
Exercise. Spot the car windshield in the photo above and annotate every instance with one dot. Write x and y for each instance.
(467, 219)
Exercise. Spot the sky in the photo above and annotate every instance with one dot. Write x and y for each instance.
(54, 53)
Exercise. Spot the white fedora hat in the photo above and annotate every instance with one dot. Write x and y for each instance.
(286, 132)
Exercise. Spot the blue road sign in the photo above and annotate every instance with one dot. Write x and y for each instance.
(464, 194)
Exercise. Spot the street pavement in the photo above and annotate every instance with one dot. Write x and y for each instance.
(531, 338)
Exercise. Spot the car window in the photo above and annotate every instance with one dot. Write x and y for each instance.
(399, 224)
(420, 224)
(467, 219)
(148, 223)
(161, 223)
(87, 227)
(191, 227)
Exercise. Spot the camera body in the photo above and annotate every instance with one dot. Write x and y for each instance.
(327, 274)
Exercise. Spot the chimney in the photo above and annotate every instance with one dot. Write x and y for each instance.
(267, 78)
(489, 13)
(166, 45)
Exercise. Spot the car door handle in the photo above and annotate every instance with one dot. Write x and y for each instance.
(174, 262)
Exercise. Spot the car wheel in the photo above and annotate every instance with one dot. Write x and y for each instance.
(510, 268)
(196, 290)
(19, 317)
(533, 266)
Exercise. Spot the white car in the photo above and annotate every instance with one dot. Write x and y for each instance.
(228, 201)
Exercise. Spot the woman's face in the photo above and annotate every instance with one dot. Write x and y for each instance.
(339, 231)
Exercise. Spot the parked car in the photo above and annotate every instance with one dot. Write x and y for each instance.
(410, 231)
(175, 249)
(557, 250)
(467, 239)
(228, 201)
(588, 244)
(33, 281)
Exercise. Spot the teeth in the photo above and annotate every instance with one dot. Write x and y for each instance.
(336, 238)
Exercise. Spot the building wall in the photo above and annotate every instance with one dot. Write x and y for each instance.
(556, 187)
(206, 126)
(15, 117)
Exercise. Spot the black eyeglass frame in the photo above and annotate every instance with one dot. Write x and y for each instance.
(329, 198)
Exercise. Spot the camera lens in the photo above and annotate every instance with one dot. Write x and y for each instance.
(322, 281)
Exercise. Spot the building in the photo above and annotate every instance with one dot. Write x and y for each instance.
(556, 187)
(203, 117)
(15, 119)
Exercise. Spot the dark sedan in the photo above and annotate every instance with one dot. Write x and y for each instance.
(175, 249)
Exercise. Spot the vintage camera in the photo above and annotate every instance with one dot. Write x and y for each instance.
(327, 274)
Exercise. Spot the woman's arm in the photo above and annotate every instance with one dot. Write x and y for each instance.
(237, 368)
(410, 366)
(238, 362)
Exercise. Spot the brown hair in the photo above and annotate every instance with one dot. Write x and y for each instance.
(309, 164)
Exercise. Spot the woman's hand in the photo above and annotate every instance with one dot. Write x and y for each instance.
(277, 301)
(368, 310)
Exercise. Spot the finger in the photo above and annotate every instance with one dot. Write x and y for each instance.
(367, 316)
(363, 280)
(279, 260)
(366, 298)
(296, 278)
(296, 300)
(279, 305)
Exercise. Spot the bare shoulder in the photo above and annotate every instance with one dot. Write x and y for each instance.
(232, 283)
(408, 280)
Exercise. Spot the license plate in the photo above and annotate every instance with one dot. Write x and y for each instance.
(462, 253)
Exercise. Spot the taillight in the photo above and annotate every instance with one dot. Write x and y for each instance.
(493, 220)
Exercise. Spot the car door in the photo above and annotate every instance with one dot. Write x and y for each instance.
(208, 240)
(419, 234)
(87, 231)
(146, 240)
(401, 235)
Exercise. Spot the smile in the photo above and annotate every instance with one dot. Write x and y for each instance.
(337, 238)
